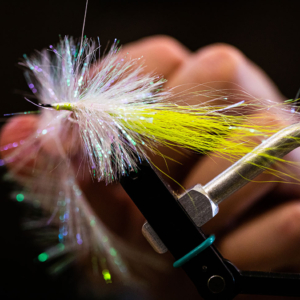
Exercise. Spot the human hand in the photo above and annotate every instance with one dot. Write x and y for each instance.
(251, 244)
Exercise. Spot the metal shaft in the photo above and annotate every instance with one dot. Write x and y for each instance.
(254, 163)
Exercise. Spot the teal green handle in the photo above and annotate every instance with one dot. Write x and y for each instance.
(178, 263)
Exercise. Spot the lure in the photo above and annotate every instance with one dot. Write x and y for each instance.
(123, 114)
(117, 116)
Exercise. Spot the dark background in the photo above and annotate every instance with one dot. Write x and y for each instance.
(266, 31)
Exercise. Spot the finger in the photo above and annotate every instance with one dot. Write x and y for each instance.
(108, 206)
(162, 54)
(269, 242)
(13, 135)
(224, 67)
(290, 191)
(17, 129)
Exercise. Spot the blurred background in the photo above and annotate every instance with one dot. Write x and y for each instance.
(266, 31)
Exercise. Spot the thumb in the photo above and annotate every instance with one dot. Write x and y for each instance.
(13, 135)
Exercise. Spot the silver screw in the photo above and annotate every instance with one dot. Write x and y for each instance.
(216, 284)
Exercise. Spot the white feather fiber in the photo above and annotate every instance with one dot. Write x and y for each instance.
(96, 105)
(102, 97)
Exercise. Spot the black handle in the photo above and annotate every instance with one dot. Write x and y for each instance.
(264, 283)
(178, 232)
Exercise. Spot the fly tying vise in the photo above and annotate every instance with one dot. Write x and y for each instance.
(122, 114)
(174, 224)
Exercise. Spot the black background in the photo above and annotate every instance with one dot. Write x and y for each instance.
(266, 31)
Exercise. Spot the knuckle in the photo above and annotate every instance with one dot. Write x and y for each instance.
(163, 41)
(223, 51)
(167, 45)
(221, 60)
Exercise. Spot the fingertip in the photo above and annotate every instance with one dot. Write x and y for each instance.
(162, 54)
(223, 66)
(220, 61)
(17, 129)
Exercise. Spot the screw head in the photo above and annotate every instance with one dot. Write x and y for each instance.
(216, 284)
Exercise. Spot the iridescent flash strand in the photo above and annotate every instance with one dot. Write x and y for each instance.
(119, 115)
(122, 113)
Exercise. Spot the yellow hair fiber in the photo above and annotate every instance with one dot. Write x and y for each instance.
(208, 129)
